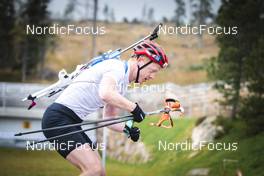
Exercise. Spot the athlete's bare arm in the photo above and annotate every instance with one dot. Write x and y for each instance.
(111, 112)
(108, 92)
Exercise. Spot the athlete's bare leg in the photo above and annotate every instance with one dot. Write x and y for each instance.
(87, 160)
(171, 122)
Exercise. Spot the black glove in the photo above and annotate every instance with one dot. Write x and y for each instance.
(133, 133)
(138, 114)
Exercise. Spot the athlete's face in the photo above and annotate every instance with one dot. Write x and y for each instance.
(149, 72)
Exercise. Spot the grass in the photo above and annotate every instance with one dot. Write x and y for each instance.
(249, 156)
(37, 163)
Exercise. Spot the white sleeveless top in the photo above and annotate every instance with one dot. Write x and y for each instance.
(82, 95)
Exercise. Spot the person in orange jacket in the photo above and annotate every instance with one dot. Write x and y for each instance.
(170, 105)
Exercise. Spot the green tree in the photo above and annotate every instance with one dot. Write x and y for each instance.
(7, 23)
(34, 46)
(70, 8)
(150, 15)
(240, 63)
(112, 15)
(202, 13)
(144, 13)
(179, 12)
(106, 12)
(252, 106)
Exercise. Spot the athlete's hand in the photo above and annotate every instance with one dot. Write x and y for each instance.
(138, 114)
(133, 132)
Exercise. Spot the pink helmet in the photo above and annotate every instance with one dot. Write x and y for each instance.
(153, 51)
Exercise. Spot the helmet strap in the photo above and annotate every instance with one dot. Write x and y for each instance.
(140, 68)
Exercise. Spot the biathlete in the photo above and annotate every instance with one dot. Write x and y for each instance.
(102, 85)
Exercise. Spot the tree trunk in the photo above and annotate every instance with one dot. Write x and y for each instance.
(94, 27)
(200, 40)
(24, 49)
(42, 51)
(237, 91)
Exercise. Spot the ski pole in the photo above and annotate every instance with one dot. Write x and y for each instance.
(121, 119)
(83, 123)
(80, 131)
(73, 125)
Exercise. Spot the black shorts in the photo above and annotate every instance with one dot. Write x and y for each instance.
(58, 115)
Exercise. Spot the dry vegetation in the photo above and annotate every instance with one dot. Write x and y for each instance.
(182, 51)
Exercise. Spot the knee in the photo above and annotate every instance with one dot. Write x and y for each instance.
(95, 169)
